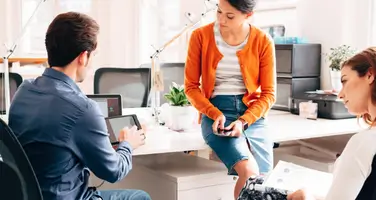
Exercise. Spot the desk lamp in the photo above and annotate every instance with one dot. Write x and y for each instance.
(9, 51)
(156, 75)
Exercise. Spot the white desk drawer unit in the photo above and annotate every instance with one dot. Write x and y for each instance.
(177, 176)
(313, 162)
(319, 154)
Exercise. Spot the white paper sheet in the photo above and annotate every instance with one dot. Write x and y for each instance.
(289, 176)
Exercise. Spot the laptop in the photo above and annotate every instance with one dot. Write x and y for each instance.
(110, 104)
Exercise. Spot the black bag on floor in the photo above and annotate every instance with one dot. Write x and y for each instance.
(254, 190)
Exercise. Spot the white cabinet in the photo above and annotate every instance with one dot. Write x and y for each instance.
(296, 157)
(218, 192)
(319, 153)
(177, 176)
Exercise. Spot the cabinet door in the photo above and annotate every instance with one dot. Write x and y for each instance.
(284, 61)
(283, 94)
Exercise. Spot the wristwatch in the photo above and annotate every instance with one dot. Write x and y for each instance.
(244, 123)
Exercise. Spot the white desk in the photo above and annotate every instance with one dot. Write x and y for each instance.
(288, 127)
(282, 127)
(212, 179)
(163, 140)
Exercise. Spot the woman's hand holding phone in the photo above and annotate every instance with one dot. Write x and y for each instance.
(219, 124)
(236, 128)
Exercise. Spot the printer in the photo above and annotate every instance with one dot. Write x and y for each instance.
(329, 106)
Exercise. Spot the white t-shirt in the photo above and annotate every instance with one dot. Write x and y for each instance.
(353, 166)
(228, 76)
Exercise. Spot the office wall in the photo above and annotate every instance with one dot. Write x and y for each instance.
(313, 19)
(2, 33)
(125, 38)
(7, 19)
(330, 23)
(336, 22)
(129, 28)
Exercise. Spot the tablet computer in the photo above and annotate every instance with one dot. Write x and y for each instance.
(117, 123)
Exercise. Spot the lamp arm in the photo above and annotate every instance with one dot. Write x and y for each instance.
(186, 28)
(11, 50)
(168, 43)
(156, 76)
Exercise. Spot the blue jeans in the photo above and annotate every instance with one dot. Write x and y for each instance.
(123, 195)
(231, 150)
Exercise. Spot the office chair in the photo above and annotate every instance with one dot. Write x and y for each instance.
(15, 81)
(172, 72)
(133, 84)
(17, 178)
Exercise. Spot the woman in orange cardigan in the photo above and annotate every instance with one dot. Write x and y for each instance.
(230, 78)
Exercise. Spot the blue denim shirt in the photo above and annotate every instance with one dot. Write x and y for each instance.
(64, 135)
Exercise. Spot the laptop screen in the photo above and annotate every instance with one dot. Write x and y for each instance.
(110, 105)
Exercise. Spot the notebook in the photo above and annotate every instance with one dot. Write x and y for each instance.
(291, 177)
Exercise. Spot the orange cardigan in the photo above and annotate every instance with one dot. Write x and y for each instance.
(257, 64)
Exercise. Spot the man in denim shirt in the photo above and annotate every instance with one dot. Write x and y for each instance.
(63, 132)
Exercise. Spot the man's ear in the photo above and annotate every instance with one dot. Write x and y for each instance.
(83, 58)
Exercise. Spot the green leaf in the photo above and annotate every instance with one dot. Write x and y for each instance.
(338, 55)
(176, 90)
(175, 85)
(176, 95)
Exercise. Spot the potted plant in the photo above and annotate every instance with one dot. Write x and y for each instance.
(181, 113)
(336, 57)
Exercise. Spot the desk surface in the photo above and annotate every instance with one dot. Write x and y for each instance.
(160, 139)
(287, 127)
(282, 126)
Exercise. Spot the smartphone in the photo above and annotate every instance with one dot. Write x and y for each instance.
(222, 132)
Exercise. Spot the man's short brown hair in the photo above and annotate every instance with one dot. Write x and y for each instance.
(68, 35)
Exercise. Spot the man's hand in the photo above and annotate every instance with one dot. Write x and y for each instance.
(134, 137)
(236, 128)
(300, 195)
(219, 123)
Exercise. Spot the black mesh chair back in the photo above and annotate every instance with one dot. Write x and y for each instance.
(172, 72)
(15, 81)
(133, 84)
(17, 177)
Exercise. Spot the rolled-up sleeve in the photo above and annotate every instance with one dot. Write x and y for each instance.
(90, 139)
(192, 76)
(268, 83)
